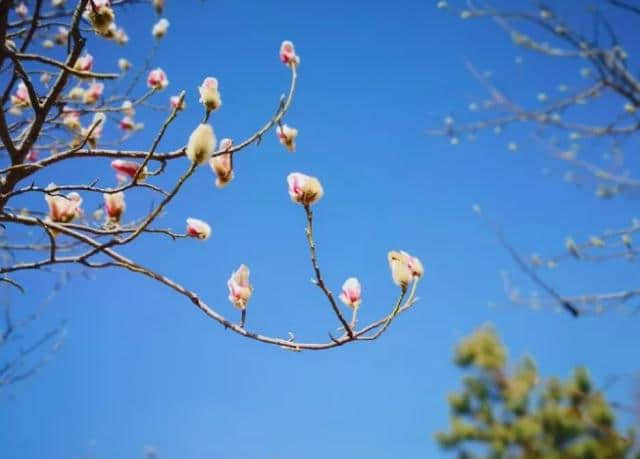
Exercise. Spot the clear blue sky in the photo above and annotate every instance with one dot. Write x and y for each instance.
(141, 366)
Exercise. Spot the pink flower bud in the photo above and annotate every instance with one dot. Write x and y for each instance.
(94, 93)
(239, 288)
(174, 101)
(287, 136)
(198, 229)
(351, 294)
(32, 156)
(209, 95)
(404, 267)
(127, 123)
(128, 168)
(160, 28)
(71, 120)
(84, 63)
(157, 79)
(202, 142)
(114, 206)
(63, 209)
(304, 189)
(222, 165)
(22, 10)
(21, 98)
(288, 54)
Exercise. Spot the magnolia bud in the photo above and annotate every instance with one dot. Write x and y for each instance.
(202, 142)
(198, 229)
(160, 28)
(304, 189)
(100, 15)
(63, 209)
(400, 271)
(124, 64)
(351, 294)
(157, 79)
(239, 288)
(288, 54)
(209, 95)
(222, 165)
(114, 206)
(287, 136)
(128, 168)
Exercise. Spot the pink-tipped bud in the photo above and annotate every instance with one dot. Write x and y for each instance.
(304, 189)
(287, 136)
(63, 209)
(157, 79)
(21, 98)
(222, 165)
(288, 54)
(94, 93)
(127, 123)
(198, 229)
(128, 168)
(351, 294)
(175, 102)
(84, 63)
(239, 288)
(114, 206)
(209, 95)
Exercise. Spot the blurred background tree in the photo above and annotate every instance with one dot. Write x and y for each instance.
(513, 414)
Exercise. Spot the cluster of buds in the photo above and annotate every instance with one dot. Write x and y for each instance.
(157, 79)
(222, 165)
(128, 169)
(114, 206)
(404, 268)
(304, 189)
(62, 209)
(209, 94)
(239, 288)
(202, 142)
(287, 136)
(198, 229)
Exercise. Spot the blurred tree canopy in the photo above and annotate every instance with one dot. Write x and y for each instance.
(512, 414)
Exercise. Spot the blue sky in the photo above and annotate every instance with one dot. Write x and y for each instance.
(141, 366)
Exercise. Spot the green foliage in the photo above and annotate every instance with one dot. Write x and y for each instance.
(511, 414)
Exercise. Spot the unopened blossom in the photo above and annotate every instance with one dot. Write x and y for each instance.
(160, 28)
(157, 79)
(45, 78)
(84, 63)
(287, 136)
(202, 142)
(209, 95)
(120, 36)
(240, 289)
(158, 5)
(222, 165)
(127, 123)
(21, 97)
(94, 131)
(414, 264)
(63, 209)
(304, 189)
(114, 206)
(32, 156)
(76, 93)
(128, 169)
(175, 102)
(572, 247)
(288, 54)
(100, 14)
(58, 3)
(127, 108)
(22, 10)
(351, 294)
(198, 228)
(48, 44)
(71, 120)
(93, 93)
(400, 270)
(124, 64)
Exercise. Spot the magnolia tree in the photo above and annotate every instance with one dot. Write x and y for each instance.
(574, 123)
(55, 110)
